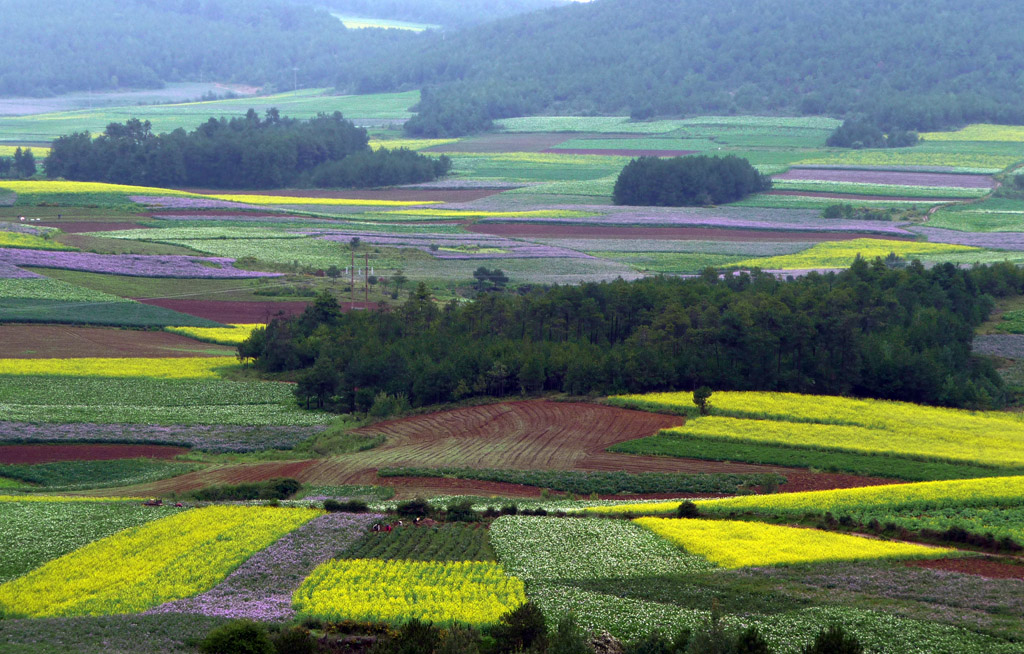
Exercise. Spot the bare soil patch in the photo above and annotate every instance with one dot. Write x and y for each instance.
(495, 143)
(233, 474)
(60, 342)
(981, 567)
(32, 454)
(620, 152)
(551, 230)
(231, 312)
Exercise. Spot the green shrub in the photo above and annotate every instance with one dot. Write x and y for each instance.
(414, 508)
(687, 510)
(834, 640)
(462, 512)
(295, 640)
(238, 637)
(350, 506)
(414, 637)
(751, 642)
(272, 489)
(568, 638)
(520, 629)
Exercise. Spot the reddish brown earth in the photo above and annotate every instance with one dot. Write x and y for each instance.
(981, 567)
(530, 434)
(59, 342)
(85, 227)
(496, 143)
(551, 230)
(848, 196)
(399, 194)
(232, 312)
(615, 152)
(32, 454)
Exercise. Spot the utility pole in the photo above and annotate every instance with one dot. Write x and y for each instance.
(366, 277)
(352, 280)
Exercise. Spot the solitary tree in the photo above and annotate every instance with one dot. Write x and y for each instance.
(702, 398)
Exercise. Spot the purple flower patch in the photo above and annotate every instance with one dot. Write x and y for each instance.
(433, 244)
(995, 240)
(172, 202)
(10, 271)
(132, 265)
(262, 587)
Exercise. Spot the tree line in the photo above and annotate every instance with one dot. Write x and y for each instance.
(896, 333)
(240, 152)
(687, 181)
(21, 166)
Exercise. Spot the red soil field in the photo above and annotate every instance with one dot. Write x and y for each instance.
(32, 454)
(401, 194)
(86, 227)
(848, 196)
(59, 342)
(230, 474)
(551, 230)
(496, 143)
(981, 567)
(621, 152)
(232, 312)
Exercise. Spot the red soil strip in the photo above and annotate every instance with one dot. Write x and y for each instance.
(233, 312)
(980, 567)
(60, 342)
(528, 230)
(85, 227)
(497, 143)
(797, 482)
(399, 194)
(849, 196)
(32, 454)
(235, 474)
(614, 152)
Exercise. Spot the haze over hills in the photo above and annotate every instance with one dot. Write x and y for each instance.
(446, 13)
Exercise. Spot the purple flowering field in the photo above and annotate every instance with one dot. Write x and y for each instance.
(10, 271)
(132, 265)
(171, 202)
(949, 180)
(511, 248)
(996, 240)
(261, 588)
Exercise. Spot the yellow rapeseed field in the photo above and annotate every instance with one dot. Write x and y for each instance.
(31, 241)
(409, 144)
(468, 213)
(962, 492)
(174, 368)
(980, 132)
(876, 426)
(232, 335)
(471, 592)
(737, 544)
(141, 567)
(293, 200)
(840, 254)
(43, 186)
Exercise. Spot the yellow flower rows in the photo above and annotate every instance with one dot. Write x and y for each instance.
(980, 132)
(142, 567)
(38, 153)
(458, 213)
(987, 438)
(471, 592)
(410, 144)
(911, 157)
(232, 335)
(986, 490)
(288, 199)
(19, 240)
(175, 368)
(33, 186)
(736, 544)
(840, 254)
(62, 498)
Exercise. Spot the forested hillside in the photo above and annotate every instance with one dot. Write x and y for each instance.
(919, 65)
(447, 13)
(869, 331)
(56, 46)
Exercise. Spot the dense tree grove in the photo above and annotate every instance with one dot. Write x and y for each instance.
(952, 62)
(860, 133)
(244, 152)
(871, 331)
(687, 181)
(22, 165)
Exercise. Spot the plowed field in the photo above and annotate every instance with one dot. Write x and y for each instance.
(32, 454)
(231, 312)
(57, 342)
(532, 434)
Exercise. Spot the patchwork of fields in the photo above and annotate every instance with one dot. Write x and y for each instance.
(121, 306)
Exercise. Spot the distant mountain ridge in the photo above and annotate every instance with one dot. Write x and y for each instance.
(920, 65)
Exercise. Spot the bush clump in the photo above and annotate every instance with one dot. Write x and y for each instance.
(272, 489)
(238, 637)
